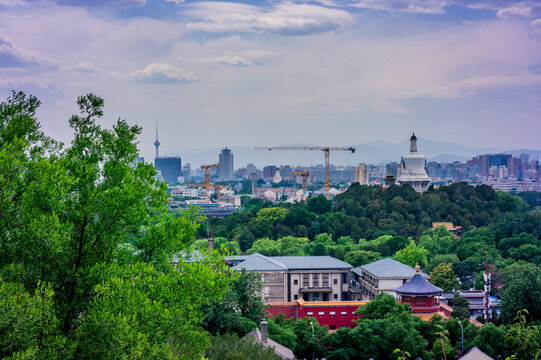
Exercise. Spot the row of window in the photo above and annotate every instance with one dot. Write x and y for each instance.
(331, 313)
(315, 280)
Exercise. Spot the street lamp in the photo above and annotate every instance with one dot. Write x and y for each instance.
(461, 328)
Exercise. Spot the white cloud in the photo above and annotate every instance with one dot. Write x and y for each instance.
(85, 67)
(229, 60)
(408, 6)
(103, 3)
(175, 1)
(283, 18)
(536, 26)
(528, 9)
(246, 58)
(13, 57)
(159, 74)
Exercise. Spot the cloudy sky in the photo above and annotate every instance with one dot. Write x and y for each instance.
(327, 72)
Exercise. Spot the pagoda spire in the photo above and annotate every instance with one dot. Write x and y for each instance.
(413, 143)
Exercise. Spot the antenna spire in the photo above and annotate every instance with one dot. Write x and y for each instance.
(157, 142)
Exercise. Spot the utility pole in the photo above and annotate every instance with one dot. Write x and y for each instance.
(487, 287)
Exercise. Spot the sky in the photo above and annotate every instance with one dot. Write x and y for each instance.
(251, 73)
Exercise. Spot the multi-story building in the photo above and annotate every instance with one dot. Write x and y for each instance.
(383, 275)
(226, 162)
(170, 168)
(268, 171)
(289, 278)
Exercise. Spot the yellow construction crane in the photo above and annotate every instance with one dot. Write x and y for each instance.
(325, 149)
(207, 184)
(304, 175)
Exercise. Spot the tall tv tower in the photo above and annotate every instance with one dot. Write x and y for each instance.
(157, 142)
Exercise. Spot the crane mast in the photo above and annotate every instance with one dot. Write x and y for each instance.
(325, 149)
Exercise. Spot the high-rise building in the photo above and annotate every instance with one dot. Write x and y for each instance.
(498, 160)
(226, 162)
(187, 172)
(363, 175)
(268, 171)
(170, 168)
(514, 166)
(484, 166)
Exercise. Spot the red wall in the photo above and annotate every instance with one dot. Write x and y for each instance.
(334, 322)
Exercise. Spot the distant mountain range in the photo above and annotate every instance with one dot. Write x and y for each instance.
(376, 152)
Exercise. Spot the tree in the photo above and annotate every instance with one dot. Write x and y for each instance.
(241, 308)
(522, 291)
(361, 257)
(230, 347)
(319, 205)
(460, 307)
(412, 255)
(381, 306)
(86, 245)
(438, 241)
(444, 277)
(524, 339)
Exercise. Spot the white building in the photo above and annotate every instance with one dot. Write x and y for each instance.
(413, 170)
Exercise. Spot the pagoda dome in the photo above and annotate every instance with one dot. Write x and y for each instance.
(417, 285)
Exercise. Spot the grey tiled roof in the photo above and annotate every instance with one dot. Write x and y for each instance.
(259, 262)
(388, 268)
(475, 354)
(279, 349)
(418, 285)
(311, 262)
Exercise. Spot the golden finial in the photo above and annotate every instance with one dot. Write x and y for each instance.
(417, 269)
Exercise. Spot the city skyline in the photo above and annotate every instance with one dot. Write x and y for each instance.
(331, 73)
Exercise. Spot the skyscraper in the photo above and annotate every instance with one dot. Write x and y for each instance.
(226, 160)
(170, 167)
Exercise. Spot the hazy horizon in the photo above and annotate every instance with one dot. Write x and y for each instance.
(323, 72)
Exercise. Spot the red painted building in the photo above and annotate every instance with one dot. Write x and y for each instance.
(334, 314)
(420, 294)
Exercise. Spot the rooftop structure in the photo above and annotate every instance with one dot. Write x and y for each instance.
(475, 354)
(289, 278)
(261, 337)
(413, 169)
(383, 275)
(420, 294)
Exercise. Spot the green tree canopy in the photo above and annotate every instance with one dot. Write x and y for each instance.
(444, 277)
(412, 255)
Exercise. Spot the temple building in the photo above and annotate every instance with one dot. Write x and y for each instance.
(420, 294)
(413, 170)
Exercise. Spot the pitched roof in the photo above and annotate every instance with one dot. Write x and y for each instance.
(279, 349)
(311, 262)
(260, 262)
(418, 285)
(475, 354)
(388, 268)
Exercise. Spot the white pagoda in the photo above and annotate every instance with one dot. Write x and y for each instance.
(413, 169)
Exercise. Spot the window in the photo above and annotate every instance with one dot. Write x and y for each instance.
(332, 313)
(295, 282)
(295, 297)
(266, 290)
(315, 280)
(321, 313)
(305, 280)
(309, 313)
(344, 278)
(335, 281)
(267, 278)
(335, 296)
(325, 280)
(343, 313)
(332, 327)
(325, 297)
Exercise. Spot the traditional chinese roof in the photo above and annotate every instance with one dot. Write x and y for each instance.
(388, 269)
(475, 354)
(418, 286)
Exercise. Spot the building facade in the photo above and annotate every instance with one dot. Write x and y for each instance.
(170, 167)
(225, 159)
(383, 275)
(290, 278)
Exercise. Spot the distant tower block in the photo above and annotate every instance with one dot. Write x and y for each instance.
(157, 142)
(413, 169)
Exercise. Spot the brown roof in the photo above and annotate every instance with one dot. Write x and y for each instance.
(279, 349)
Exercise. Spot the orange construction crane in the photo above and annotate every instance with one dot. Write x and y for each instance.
(325, 149)
(207, 184)
(304, 175)
(207, 190)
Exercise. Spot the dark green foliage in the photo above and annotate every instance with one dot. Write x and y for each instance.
(230, 347)
(240, 310)
(460, 307)
(522, 291)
